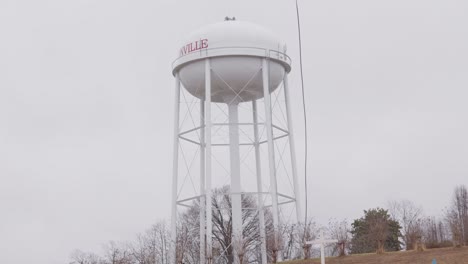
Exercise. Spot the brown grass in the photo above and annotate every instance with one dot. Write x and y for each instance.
(442, 255)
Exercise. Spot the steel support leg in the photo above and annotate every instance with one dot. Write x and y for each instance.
(202, 182)
(258, 166)
(292, 149)
(175, 165)
(271, 156)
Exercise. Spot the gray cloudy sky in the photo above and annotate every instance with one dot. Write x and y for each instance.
(86, 96)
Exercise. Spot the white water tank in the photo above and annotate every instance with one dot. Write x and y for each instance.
(236, 50)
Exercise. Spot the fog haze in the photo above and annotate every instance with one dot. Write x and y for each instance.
(86, 111)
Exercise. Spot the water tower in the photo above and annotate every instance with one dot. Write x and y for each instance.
(231, 71)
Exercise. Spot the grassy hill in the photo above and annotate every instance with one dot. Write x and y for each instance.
(442, 255)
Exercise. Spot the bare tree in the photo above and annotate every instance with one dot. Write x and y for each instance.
(290, 240)
(442, 232)
(151, 247)
(340, 230)
(222, 226)
(435, 233)
(303, 233)
(187, 244)
(455, 224)
(274, 243)
(460, 205)
(430, 233)
(457, 216)
(80, 257)
(158, 238)
(140, 251)
(117, 254)
(410, 217)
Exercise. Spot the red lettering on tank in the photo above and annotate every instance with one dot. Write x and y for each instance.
(204, 43)
(194, 46)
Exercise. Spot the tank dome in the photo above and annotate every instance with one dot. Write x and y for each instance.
(236, 50)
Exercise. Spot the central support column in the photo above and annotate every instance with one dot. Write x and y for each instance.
(208, 124)
(236, 199)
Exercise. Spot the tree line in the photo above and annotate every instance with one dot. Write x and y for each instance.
(401, 225)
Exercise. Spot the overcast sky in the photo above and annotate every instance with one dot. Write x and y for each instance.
(86, 97)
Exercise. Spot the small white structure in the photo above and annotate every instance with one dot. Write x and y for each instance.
(322, 242)
(236, 64)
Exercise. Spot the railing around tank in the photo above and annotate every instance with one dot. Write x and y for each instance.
(232, 51)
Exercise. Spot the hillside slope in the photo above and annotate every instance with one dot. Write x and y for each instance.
(442, 255)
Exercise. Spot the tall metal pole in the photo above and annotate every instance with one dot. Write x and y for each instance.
(175, 166)
(292, 149)
(271, 155)
(208, 124)
(261, 215)
(202, 181)
(236, 199)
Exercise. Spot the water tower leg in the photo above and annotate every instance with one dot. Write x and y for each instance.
(202, 181)
(208, 124)
(271, 156)
(175, 165)
(261, 215)
(236, 198)
(292, 149)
